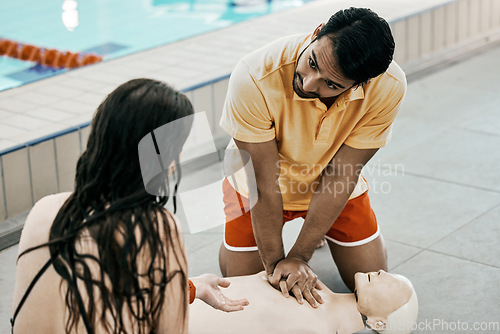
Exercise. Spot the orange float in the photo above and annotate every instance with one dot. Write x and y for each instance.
(6, 46)
(72, 60)
(13, 51)
(91, 59)
(46, 57)
(49, 57)
(29, 52)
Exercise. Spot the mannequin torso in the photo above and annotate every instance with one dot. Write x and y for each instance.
(270, 312)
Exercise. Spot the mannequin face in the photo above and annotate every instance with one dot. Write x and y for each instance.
(380, 293)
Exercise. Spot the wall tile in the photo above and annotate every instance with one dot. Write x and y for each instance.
(451, 35)
(7, 131)
(91, 99)
(25, 122)
(203, 100)
(439, 29)
(7, 144)
(84, 136)
(16, 105)
(495, 9)
(413, 38)
(3, 214)
(190, 96)
(5, 114)
(35, 97)
(474, 17)
(50, 114)
(426, 33)
(59, 91)
(36, 134)
(75, 107)
(67, 154)
(486, 16)
(463, 17)
(17, 181)
(43, 169)
(219, 91)
(399, 32)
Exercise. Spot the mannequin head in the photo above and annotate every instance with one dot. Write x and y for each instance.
(388, 301)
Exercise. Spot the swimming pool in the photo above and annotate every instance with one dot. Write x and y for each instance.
(113, 28)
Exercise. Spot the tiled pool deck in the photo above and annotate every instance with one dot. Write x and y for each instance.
(69, 99)
(435, 188)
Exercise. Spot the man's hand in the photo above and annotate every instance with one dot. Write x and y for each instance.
(293, 274)
(207, 290)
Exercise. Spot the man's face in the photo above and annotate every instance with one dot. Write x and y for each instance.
(317, 74)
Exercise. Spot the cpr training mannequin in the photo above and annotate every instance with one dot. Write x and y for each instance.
(388, 301)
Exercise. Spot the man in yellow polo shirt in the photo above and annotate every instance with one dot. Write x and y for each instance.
(311, 111)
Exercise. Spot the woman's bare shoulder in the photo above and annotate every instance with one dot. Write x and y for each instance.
(39, 220)
(170, 221)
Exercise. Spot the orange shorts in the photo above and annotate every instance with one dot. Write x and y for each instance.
(356, 225)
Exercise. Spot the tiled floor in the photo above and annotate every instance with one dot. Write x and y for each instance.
(436, 193)
(69, 99)
(435, 189)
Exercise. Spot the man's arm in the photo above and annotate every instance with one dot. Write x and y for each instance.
(336, 185)
(267, 214)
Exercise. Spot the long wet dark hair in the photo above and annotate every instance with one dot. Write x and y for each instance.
(128, 225)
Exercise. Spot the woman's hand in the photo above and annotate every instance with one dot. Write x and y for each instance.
(207, 290)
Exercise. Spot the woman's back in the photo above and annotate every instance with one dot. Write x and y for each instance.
(112, 255)
(45, 311)
(44, 307)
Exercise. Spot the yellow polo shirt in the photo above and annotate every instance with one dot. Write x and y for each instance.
(261, 105)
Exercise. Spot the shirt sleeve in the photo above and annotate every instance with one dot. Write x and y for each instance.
(374, 130)
(245, 115)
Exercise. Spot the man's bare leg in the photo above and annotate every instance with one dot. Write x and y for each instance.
(239, 263)
(371, 256)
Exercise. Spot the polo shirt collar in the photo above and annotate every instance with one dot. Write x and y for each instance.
(352, 94)
(357, 93)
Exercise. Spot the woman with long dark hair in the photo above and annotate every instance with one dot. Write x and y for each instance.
(109, 258)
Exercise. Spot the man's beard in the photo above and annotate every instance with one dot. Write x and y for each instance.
(297, 78)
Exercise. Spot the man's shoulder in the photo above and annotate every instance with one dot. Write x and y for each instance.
(395, 72)
(273, 56)
(392, 81)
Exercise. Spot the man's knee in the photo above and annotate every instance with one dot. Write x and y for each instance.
(368, 257)
(236, 263)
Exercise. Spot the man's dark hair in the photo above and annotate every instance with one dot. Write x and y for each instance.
(362, 43)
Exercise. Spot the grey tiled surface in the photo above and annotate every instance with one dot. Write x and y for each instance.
(439, 212)
(453, 289)
(476, 241)
(439, 217)
(7, 276)
(44, 107)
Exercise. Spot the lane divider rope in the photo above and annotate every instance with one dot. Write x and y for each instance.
(45, 56)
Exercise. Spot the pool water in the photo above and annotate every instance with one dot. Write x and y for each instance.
(113, 28)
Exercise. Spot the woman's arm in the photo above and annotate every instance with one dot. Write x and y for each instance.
(207, 290)
(174, 311)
